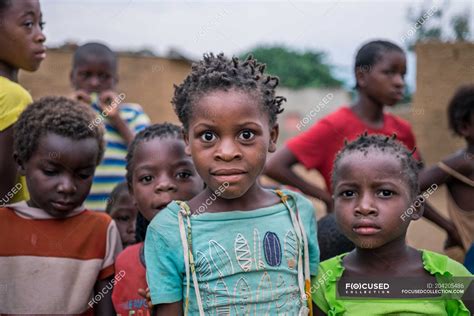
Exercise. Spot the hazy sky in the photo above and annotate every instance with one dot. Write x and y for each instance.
(192, 27)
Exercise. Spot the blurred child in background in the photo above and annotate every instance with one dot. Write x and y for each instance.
(94, 78)
(22, 47)
(158, 171)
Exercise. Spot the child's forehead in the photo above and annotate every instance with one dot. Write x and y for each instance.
(371, 160)
(89, 60)
(24, 7)
(56, 146)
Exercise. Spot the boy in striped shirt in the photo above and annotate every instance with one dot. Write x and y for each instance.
(94, 78)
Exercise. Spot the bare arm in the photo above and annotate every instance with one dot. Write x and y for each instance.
(279, 169)
(317, 311)
(171, 309)
(429, 177)
(104, 306)
(8, 167)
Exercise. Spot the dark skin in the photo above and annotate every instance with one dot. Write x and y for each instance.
(124, 213)
(105, 306)
(228, 146)
(370, 197)
(99, 75)
(382, 85)
(21, 39)
(463, 162)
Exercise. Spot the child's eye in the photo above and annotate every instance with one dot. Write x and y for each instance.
(247, 135)
(42, 24)
(145, 179)
(347, 194)
(28, 24)
(183, 175)
(50, 172)
(84, 176)
(122, 218)
(385, 193)
(208, 136)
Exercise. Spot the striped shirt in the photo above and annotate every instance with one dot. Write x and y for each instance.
(50, 265)
(111, 170)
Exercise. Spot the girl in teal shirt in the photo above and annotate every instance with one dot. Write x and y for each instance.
(236, 248)
(375, 181)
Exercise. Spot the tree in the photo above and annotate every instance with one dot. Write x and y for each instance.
(296, 69)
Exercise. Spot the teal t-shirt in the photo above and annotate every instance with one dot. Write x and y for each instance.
(325, 287)
(246, 261)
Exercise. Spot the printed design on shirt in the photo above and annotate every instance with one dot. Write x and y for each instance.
(242, 252)
(272, 249)
(222, 298)
(282, 297)
(291, 249)
(264, 296)
(220, 258)
(242, 297)
(203, 267)
(204, 271)
(257, 251)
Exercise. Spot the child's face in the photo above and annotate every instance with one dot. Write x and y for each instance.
(94, 74)
(21, 35)
(162, 172)
(370, 196)
(467, 129)
(229, 136)
(125, 215)
(59, 173)
(384, 81)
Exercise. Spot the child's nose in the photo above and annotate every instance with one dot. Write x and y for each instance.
(227, 151)
(165, 185)
(67, 186)
(399, 80)
(131, 227)
(365, 206)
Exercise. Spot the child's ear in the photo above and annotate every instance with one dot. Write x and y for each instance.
(418, 207)
(361, 77)
(187, 149)
(20, 164)
(274, 132)
(464, 129)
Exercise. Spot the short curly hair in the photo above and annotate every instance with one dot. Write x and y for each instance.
(460, 108)
(163, 130)
(220, 73)
(58, 115)
(383, 143)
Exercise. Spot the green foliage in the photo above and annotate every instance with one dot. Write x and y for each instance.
(296, 69)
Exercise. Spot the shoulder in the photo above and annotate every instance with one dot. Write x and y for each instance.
(129, 253)
(94, 222)
(302, 202)
(165, 224)
(333, 264)
(12, 91)
(397, 122)
(436, 263)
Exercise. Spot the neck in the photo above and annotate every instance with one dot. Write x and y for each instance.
(389, 255)
(8, 71)
(368, 110)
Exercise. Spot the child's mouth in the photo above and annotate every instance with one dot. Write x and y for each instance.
(366, 228)
(228, 175)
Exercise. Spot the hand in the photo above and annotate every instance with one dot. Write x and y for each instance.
(146, 294)
(81, 96)
(106, 98)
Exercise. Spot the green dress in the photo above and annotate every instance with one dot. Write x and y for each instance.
(329, 271)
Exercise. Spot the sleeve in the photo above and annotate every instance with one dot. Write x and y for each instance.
(164, 267)
(113, 248)
(317, 292)
(12, 103)
(310, 147)
(307, 213)
(140, 120)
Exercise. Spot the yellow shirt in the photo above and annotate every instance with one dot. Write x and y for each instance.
(13, 100)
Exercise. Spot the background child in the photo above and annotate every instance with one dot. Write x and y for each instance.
(457, 172)
(122, 210)
(52, 238)
(158, 171)
(22, 47)
(244, 238)
(380, 67)
(94, 78)
(375, 183)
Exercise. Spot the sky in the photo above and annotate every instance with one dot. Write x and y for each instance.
(336, 27)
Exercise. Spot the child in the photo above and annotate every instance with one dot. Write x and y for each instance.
(457, 172)
(59, 256)
(122, 210)
(22, 47)
(331, 240)
(158, 171)
(375, 183)
(244, 248)
(94, 78)
(380, 68)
